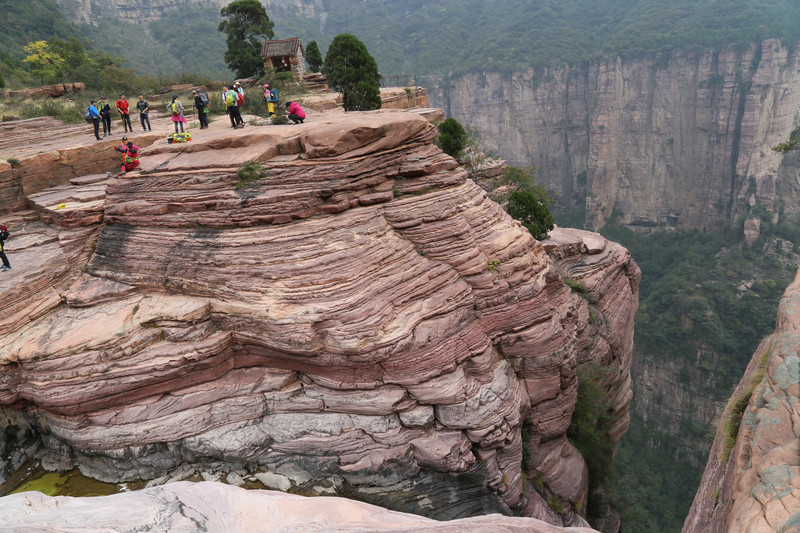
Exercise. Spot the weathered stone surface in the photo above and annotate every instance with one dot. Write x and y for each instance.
(757, 488)
(53, 91)
(335, 319)
(208, 506)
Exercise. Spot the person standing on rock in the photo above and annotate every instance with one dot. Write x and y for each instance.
(271, 97)
(200, 103)
(95, 114)
(4, 234)
(124, 112)
(229, 97)
(144, 113)
(239, 102)
(177, 113)
(296, 113)
(105, 115)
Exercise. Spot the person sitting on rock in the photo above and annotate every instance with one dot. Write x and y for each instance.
(296, 113)
(4, 234)
(130, 158)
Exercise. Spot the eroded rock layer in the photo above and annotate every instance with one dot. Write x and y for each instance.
(189, 507)
(358, 317)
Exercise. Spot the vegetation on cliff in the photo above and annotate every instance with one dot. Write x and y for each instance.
(352, 71)
(706, 301)
(452, 36)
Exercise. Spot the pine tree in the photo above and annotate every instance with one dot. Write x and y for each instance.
(313, 56)
(351, 70)
(246, 25)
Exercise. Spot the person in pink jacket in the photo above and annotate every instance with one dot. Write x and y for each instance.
(296, 113)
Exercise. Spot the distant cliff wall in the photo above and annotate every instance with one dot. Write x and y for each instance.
(678, 141)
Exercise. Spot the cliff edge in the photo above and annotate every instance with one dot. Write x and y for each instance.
(353, 316)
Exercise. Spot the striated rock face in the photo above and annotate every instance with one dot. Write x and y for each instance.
(52, 91)
(361, 320)
(677, 143)
(207, 506)
(752, 480)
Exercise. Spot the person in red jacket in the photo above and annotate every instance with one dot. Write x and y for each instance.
(296, 113)
(122, 107)
(130, 157)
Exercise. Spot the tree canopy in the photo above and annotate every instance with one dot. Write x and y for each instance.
(352, 71)
(452, 137)
(246, 25)
(313, 56)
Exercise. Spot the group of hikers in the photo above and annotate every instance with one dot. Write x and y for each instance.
(100, 113)
(232, 97)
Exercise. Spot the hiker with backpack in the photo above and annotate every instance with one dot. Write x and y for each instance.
(124, 112)
(4, 234)
(176, 107)
(239, 101)
(201, 104)
(229, 97)
(296, 113)
(105, 115)
(91, 114)
(271, 97)
(144, 113)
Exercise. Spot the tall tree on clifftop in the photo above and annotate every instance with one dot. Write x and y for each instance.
(246, 25)
(351, 70)
(313, 56)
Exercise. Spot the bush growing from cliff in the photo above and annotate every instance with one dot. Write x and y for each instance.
(246, 26)
(248, 172)
(352, 71)
(792, 144)
(313, 56)
(452, 137)
(529, 209)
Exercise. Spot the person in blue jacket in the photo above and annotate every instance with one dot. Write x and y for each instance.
(95, 119)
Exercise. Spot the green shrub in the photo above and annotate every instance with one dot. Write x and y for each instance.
(452, 137)
(250, 171)
(531, 211)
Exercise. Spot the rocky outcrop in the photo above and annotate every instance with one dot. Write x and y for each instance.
(360, 318)
(52, 91)
(682, 142)
(207, 506)
(752, 480)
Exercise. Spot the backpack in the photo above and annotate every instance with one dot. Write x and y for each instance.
(203, 98)
(179, 138)
(273, 95)
(87, 114)
(176, 108)
(4, 234)
(239, 98)
(230, 99)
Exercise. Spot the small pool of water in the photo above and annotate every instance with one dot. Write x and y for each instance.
(70, 483)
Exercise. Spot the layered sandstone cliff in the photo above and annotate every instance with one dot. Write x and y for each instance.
(682, 141)
(361, 320)
(752, 480)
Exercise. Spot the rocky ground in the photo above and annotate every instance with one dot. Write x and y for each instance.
(360, 319)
